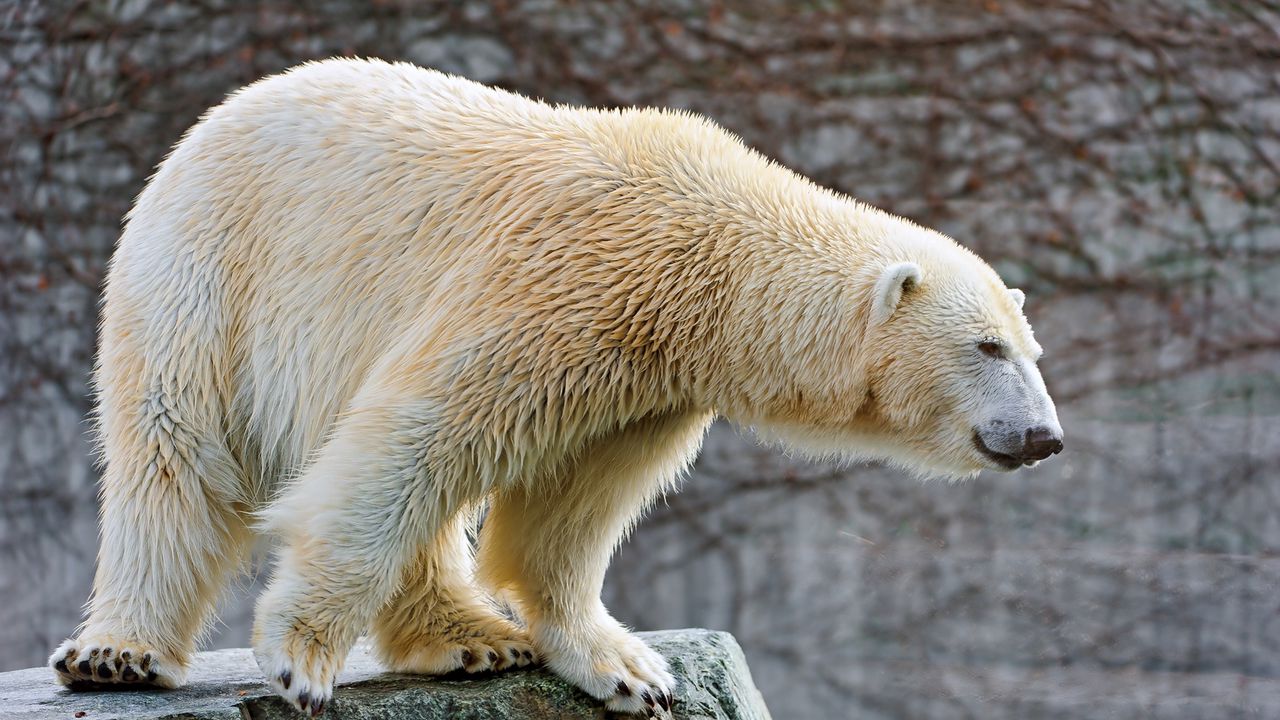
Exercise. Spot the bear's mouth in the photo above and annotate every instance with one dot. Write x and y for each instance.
(1006, 462)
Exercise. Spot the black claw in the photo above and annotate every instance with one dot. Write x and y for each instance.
(317, 707)
(528, 655)
(146, 661)
(466, 657)
(126, 656)
(622, 688)
(286, 677)
(85, 668)
(647, 698)
(106, 652)
(663, 701)
(493, 656)
(304, 700)
(61, 666)
(129, 675)
(151, 676)
(104, 671)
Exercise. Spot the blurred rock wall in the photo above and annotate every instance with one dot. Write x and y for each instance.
(1119, 161)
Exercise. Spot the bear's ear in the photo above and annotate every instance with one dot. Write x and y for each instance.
(896, 280)
(1019, 297)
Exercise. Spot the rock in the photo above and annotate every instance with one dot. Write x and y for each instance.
(712, 675)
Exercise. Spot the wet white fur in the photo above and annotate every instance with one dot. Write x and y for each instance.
(361, 300)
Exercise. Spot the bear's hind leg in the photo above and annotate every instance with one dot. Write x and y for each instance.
(439, 621)
(350, 526)
(170, 536)
(549, 544)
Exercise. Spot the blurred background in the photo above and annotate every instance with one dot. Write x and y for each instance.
(1120, 161)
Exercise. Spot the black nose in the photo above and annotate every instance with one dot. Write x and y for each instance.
(1040, 443)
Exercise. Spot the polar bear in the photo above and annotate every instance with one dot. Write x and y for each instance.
(360, 302)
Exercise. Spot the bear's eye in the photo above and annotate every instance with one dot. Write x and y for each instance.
(991, 349)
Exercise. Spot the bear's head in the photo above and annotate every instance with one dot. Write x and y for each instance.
(924, 360)
(952, 385)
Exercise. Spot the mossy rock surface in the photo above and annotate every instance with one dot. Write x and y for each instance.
(711, 672)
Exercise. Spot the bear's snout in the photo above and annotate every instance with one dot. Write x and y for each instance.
(1040, 443)
(1011, 451)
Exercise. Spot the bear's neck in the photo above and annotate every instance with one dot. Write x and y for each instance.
(779, 290)
(762, 277)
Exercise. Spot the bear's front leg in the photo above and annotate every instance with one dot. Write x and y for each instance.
(549, 544)
(350, 525)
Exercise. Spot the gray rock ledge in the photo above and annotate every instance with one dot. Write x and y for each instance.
(711, 673)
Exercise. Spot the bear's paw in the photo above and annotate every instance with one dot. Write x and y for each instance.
(618, 668)
(300, 670)
(466, 653)
(88, 662)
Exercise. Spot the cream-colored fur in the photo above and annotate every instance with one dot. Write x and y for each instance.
(361, 300)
